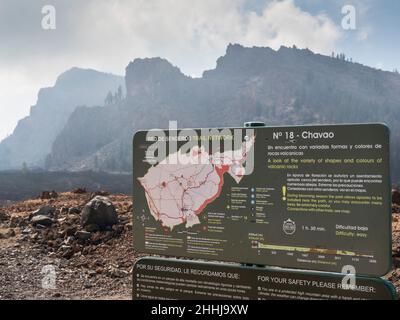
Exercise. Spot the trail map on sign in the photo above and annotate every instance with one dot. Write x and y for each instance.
(177, 193)
(306, 197)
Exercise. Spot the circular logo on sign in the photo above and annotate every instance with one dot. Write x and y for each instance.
(289, 227)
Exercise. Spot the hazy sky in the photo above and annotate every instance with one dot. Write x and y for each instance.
(192, 34)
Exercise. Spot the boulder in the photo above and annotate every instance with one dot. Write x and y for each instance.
(45, 211)
(42, 220)
(83, 235)
(99, 211)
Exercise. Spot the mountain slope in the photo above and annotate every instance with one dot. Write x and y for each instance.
(284, 87)
(32, 138)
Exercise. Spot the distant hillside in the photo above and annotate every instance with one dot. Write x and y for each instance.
(34, 135)
(284, 87)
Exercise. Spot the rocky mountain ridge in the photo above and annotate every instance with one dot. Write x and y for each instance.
(284, 87)
(34, 135)
(289, 86)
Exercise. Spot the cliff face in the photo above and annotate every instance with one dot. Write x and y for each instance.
(284, 87)
(154, 78)
(34, 135)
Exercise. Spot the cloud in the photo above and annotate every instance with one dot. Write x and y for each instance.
(107, 34)
(282, 23)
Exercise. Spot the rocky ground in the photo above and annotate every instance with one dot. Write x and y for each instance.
(394, 275)
(87, 265)
(45, 253)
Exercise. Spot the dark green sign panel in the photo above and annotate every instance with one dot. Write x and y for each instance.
(161, 279)
(315, 198)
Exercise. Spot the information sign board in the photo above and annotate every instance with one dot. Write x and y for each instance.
(312, 197)
(165, 279)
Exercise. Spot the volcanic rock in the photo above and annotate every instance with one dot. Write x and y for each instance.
(99, 211)
(42, 220)
(45, 211)
(78, 261)
(83, 235)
